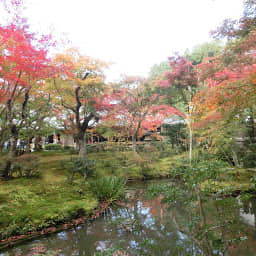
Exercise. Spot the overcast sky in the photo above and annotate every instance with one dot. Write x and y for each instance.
(133, 34)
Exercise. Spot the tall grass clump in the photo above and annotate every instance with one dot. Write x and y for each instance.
(108, 188)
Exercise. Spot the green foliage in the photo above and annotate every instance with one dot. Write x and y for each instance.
(108, 188)
(159, 69)
(93, 148)
(200, 170)
(201, 51)
(2, 166)
(83, 166)
(239, 154)
(193, 194)
(26, 165)
(112, 251)
(107, 146)
(53, 147)
(248, 159)
(70, 149)
(156, 149)
(27, 206)
(176, 134)
(108, 165)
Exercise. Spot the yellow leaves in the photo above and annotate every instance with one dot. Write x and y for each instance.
(81, 63)
(252, 77)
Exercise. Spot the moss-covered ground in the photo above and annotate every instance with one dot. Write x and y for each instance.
(235, 180)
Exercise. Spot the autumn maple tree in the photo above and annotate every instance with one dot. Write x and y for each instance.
(79, 92)
(23, 65)
(182, 81)
(138, 108)
(228, 100)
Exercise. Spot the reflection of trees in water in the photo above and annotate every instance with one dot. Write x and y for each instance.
(249, 207)
(214, 225)
(157, 234)
(148, 227)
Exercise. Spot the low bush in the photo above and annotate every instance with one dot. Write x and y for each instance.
(111, 251)
(249, 160)
(67, 148)
(93, 148)
(109, 166)
(83, 166)
(96, 147)
(70, 150)
(2, 166)
(53, 147)
(26, 166)
(108, 188)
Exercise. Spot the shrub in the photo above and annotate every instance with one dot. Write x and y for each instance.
(53, 147)
(2, 166)
(83, 166)
(92, 148)
(95, 148)
(249, 160)
(67, 147)
(26, 166)
(70, 149)
(111, 251)
(108, 188)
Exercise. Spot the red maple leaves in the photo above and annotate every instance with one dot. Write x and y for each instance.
(23, 60)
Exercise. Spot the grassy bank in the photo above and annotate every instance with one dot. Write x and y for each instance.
(33, 204)
(215, 175)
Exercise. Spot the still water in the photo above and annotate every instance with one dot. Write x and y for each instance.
(141, 226)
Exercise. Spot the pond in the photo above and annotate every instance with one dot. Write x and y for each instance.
(140, 226)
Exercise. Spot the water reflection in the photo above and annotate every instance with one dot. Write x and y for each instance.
(142, 227)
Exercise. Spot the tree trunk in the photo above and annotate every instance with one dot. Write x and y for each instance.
(252, 128)
(27, 149)
(134, 143)
(11, 153)
(1, 146)
(38, 145)
(190, 142)
(235, 158)
(190, 110)
(82, 145)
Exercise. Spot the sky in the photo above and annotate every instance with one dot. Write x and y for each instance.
(132, 34)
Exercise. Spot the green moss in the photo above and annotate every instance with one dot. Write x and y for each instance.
(29, 205)
(234, 179)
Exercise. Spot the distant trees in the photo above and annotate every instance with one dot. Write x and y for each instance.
(138, 107)
(182, 80)
(204, 50)
(159, 69)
